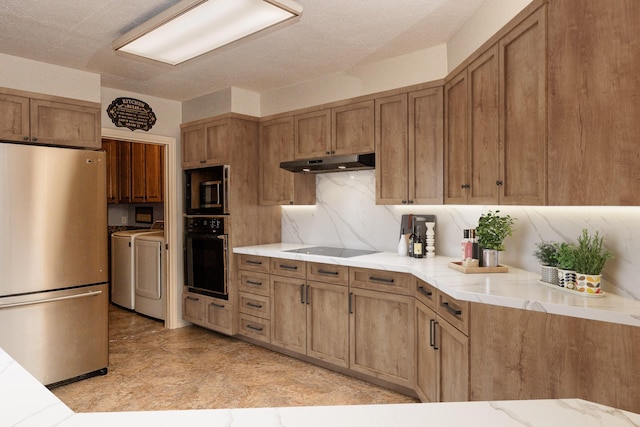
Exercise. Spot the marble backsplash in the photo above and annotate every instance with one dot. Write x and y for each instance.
(346, 215)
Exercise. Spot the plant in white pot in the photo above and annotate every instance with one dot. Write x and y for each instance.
(547, 255)
(491, 231)
(566, 261)
(590, 258)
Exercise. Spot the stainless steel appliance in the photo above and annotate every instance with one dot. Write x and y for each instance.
(207, 256)
(53, 260)
(206, 191)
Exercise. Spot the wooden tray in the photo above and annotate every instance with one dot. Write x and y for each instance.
(457, 265)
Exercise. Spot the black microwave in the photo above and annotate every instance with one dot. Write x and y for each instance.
(206, 191)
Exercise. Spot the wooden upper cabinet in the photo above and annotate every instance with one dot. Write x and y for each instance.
(352, 128)
(456, 153)
(312, 134)
(26, 117)
(523, 111)
(154, 173)
(110, 147)
(409, 138)
(206, 144)
(138, 181)
(124, 172)
(14, 117)
(594, 103)
(278, 186)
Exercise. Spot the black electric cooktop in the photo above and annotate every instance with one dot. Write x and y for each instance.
(334, 252)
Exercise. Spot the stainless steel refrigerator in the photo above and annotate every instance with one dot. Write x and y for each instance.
(53, 260)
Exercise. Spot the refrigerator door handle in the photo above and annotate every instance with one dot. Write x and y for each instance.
(19, 304)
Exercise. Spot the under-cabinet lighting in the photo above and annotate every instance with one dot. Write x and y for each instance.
(194, 27)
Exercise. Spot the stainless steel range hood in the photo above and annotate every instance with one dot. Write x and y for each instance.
(332, 164)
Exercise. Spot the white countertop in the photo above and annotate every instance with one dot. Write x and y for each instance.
(515, 289)
(26, 402)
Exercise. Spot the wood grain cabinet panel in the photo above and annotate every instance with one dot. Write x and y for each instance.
(352, 128)
(594, 103)
(288, 313)
(206, 143)
(14, 117)
(147, 173)
(110, 147)
(124, 172)
(313, 134)
(456, 151)
(278, 186)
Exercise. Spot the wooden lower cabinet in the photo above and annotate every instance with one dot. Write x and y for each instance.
(442, 368)
(211, 313)
(382, 341)
(288, 313)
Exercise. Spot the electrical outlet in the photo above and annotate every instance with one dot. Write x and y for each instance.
(123, 220)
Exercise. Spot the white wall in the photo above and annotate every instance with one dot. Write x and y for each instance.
(33, 76)
(488, 19)
(231, 99)
(346, 216)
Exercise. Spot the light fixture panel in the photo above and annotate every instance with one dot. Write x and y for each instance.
(205, 27)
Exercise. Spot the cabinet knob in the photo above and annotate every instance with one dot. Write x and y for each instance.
(404, 202)
(463, 186)
(498, 182)
(34, 139)
(410, 202)
(25, 138)
(327, 152)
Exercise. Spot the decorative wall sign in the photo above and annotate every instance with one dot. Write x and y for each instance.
(131, 113)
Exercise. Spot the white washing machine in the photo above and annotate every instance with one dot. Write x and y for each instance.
(123, 262)
(150, 275)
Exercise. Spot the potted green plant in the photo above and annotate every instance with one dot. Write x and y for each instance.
(491, 231)
(547, 255)
(590, 257)
(566, 261)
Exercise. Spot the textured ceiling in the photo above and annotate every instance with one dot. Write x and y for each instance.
(331, 36)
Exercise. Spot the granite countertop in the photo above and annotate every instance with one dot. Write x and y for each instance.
(515, 289)
(26, 402)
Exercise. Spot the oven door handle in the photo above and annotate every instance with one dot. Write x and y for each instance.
(225, 239)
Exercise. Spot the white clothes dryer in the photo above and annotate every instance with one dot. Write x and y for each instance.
(150, 275)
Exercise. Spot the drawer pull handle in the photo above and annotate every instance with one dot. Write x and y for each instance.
(380, 279)
(424, 292)
(451, 309)
(254, 305)
(435, 342)
(255, 328)
(301, 294)
(251, 261)
(288, 267)
(332, 273)
(432, 332)
(193, 299)
(251, 282)
(217, 305)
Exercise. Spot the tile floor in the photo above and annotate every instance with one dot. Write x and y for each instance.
(152, 368)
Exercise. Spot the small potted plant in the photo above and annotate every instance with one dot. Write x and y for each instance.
(566, 261)
(547, 255)
(491, 231)
(590, 258)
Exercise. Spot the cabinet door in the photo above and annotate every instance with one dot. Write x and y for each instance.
(193, 309)
(426, 146)
(124, 172)
(138, 184)
(352, 128)
(61, 123)
(193, 146)
(427, 360)
(288, 313)
(154, 173)
(14, 118)
(484, 149)
(313, 134)
(216, 143)
(110, 147)
(220, 316)
(523, 109)
(456, 154)
(382, 339)
(392, 162)
(452, 347)
(328, 323)
(594, 103)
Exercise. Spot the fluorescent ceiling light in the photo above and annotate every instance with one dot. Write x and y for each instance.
(192, 28)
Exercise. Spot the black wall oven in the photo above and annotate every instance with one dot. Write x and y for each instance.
(207, 256)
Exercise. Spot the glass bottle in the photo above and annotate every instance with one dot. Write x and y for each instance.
(418, 246)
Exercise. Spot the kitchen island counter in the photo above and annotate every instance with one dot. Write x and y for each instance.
(515, 289)
(26, 402)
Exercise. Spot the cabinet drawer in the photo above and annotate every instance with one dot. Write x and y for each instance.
(288, 267)
(219, 316)
(193, 309)
(380, 280)
(255, 327)
(254, 305)
(255, 283)
(454, 311)
(426, 294)
(328, 273)
(253, 263)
